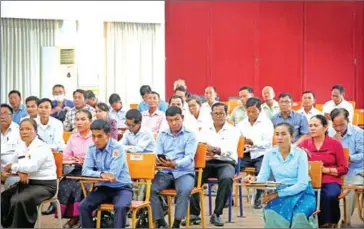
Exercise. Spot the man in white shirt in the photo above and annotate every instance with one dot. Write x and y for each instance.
(338, 101)
(239, 113)
(222, 142)
(271, 106)
(258, 131)
(210, 95)
(11, 144)
(307, 105)
(181, 92)
(31, 104)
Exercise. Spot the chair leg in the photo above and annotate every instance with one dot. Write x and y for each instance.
(59, 213)
(230, 206)
(188, 216)
(150, 217)
(133, 219)
(236, 195)
(169, 211)
(98, 219)
(210, 198)
(202, 208)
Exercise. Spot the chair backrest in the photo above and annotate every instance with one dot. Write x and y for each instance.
(353, 103)
(296, 106)
(346, 154)
(141, 165)
(133, 106)
(232, 103)
(241, 147)
(358, 119)
(319, 107)
(200, 156)
(66, 136)
(315, 172)
(58, 158)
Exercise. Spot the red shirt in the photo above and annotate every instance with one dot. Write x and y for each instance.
(331, 154)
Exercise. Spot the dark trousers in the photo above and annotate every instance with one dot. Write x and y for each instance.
(224, 172)
(183, 185)
(329, 204)
(245, 162)
(120, 197)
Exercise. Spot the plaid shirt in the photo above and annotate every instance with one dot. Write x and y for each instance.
(69, 123)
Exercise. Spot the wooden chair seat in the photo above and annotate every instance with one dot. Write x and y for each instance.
(235, 178)
(172, 192)
(134, 205)
(249, 170)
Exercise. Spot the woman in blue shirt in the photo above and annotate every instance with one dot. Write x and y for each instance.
(294, 201)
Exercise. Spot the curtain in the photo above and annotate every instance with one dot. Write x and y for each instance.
(21, 42)
(134, 56)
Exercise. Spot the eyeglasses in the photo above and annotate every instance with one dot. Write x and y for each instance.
(5, 114)
(284, 102)
(218, 113)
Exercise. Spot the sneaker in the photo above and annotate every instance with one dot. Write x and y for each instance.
(194, 220)
(216, 220)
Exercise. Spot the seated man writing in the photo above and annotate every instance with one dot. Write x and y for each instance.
(176, 148)
(106, 159)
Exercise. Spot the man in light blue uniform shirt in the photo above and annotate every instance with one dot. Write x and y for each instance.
(143, 105)
(351, 137)
(179, 146)
(106, 159)
(19, 110)
(117, 111)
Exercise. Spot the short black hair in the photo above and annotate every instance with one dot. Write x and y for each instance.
(43, 100)
(289, 126)
(89, 115)
(90, 94)
(339, 111)
(253, 101)
(135, 115)
(247, 88)
(309, 92)
(155, 93)
(145, 89)
(338, 87)
(14, 92)
(103, 106)
(213, 87)
(58, 85)
(114, 98)
(8, 106)
(81, 91)
(218, 104)
(173, 110)
(100, 124)
(175, 97)
(196, 98)
(32, 98)
(180, 88)
(285, 94)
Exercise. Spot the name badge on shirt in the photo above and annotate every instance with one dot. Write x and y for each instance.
(115, 153)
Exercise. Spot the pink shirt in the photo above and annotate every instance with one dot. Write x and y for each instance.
(78, 145)
(154, 121)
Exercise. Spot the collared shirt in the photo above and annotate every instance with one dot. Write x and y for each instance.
(180, 148)
(28, 116)
(141, 142)
(292, 171)
(261, 133)
(331, 154)
(153, 122)
(112, 160)
(11, 144)
(143, 106)
(354, 140)
(310, 114)
(37, 161)
(52, 133)
(238, 114)
(119, 116)
(17, 115)
(61, 115)
(227, 139)
(196, 124)
(297, 120)
(270, 112)
(330, 105)
(69, 123)
(205, 109)
(77, 145)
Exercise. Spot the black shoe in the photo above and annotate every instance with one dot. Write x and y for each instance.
(51, 209)
(216, 220)
(163, 226)
(194, 220)
(258, 200)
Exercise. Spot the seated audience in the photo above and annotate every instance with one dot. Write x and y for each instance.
(36, 169)
(102, 112)
(222, 142)
(90, 98)
(19, 110)
(210, 95)
(351, 137)
(106, 159)
(286, 114)
(270, 105)
(239, 113)
(294, 202)
(11, 144)
(145, 90)
(79, 101)
(181, 92)
(32, 107)
(60, 105)
(338, 101)
(258, 131)
(117, 110)
(197, 119)
(308, 105)
(178, 145)
(153, 118)
(328, 150)
(70, 193)
(181, 83)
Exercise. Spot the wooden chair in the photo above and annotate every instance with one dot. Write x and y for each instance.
(66, 136)
(136, 161)
(342, 195)
(315, 172)
(358, 119)
(133, 106)
(58, 157)
(353, 103)
(232, 103)
(319, 107)
(200, 163)
(296, 106)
